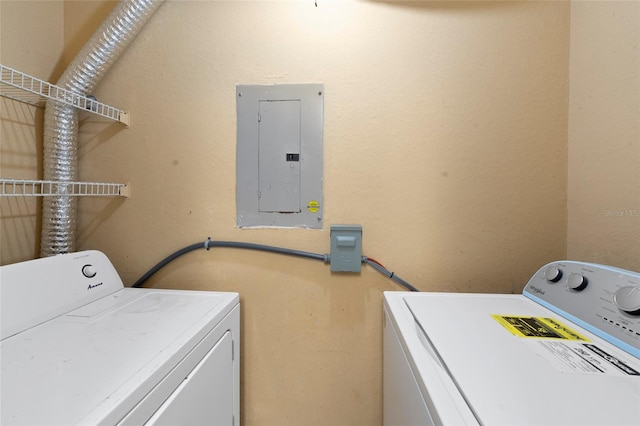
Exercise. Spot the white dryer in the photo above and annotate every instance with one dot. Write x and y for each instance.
(80, 349)
(566, 351)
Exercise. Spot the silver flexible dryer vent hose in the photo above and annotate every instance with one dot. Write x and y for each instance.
(61, 121)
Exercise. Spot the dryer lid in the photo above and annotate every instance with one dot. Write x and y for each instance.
(94, 363)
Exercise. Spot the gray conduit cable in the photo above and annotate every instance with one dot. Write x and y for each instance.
(167, 260)
(260, 247)
(392, 276)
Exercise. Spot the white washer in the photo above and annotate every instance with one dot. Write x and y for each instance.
(79, 348)
(566, 351)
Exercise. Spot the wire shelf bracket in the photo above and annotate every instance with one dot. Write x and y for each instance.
(14, 84)
(48, 188)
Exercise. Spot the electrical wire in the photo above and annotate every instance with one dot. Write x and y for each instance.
(229, 244)
(364, 260)
(389, 274)
(166, 261)
(272, 249)
(260, 247)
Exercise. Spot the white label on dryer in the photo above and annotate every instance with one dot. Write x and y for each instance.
(577, 357)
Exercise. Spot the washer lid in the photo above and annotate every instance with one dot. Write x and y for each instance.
(93, 364)
(511, 369)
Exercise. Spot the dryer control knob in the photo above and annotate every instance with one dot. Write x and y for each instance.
(89, 271)
(577, 282)
(553, 274)
(628, 299)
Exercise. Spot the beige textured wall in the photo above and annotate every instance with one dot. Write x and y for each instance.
(604, 134)
(445, 137)
(31, 41)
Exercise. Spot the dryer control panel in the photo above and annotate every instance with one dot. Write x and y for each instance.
(602, 299)
(36, 291)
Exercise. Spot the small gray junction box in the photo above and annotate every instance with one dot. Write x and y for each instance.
(346, 248)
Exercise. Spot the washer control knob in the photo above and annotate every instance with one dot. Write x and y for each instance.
(628, 299)
(577, 282)
(553, 274)
(89, 271)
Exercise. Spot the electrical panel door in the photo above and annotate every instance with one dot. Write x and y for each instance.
(279, 156)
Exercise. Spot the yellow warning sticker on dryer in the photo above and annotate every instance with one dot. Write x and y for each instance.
(538, 327)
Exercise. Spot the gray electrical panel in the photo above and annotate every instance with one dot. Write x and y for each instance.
(279, 156)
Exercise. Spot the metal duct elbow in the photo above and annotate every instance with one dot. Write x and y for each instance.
(60, 159)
